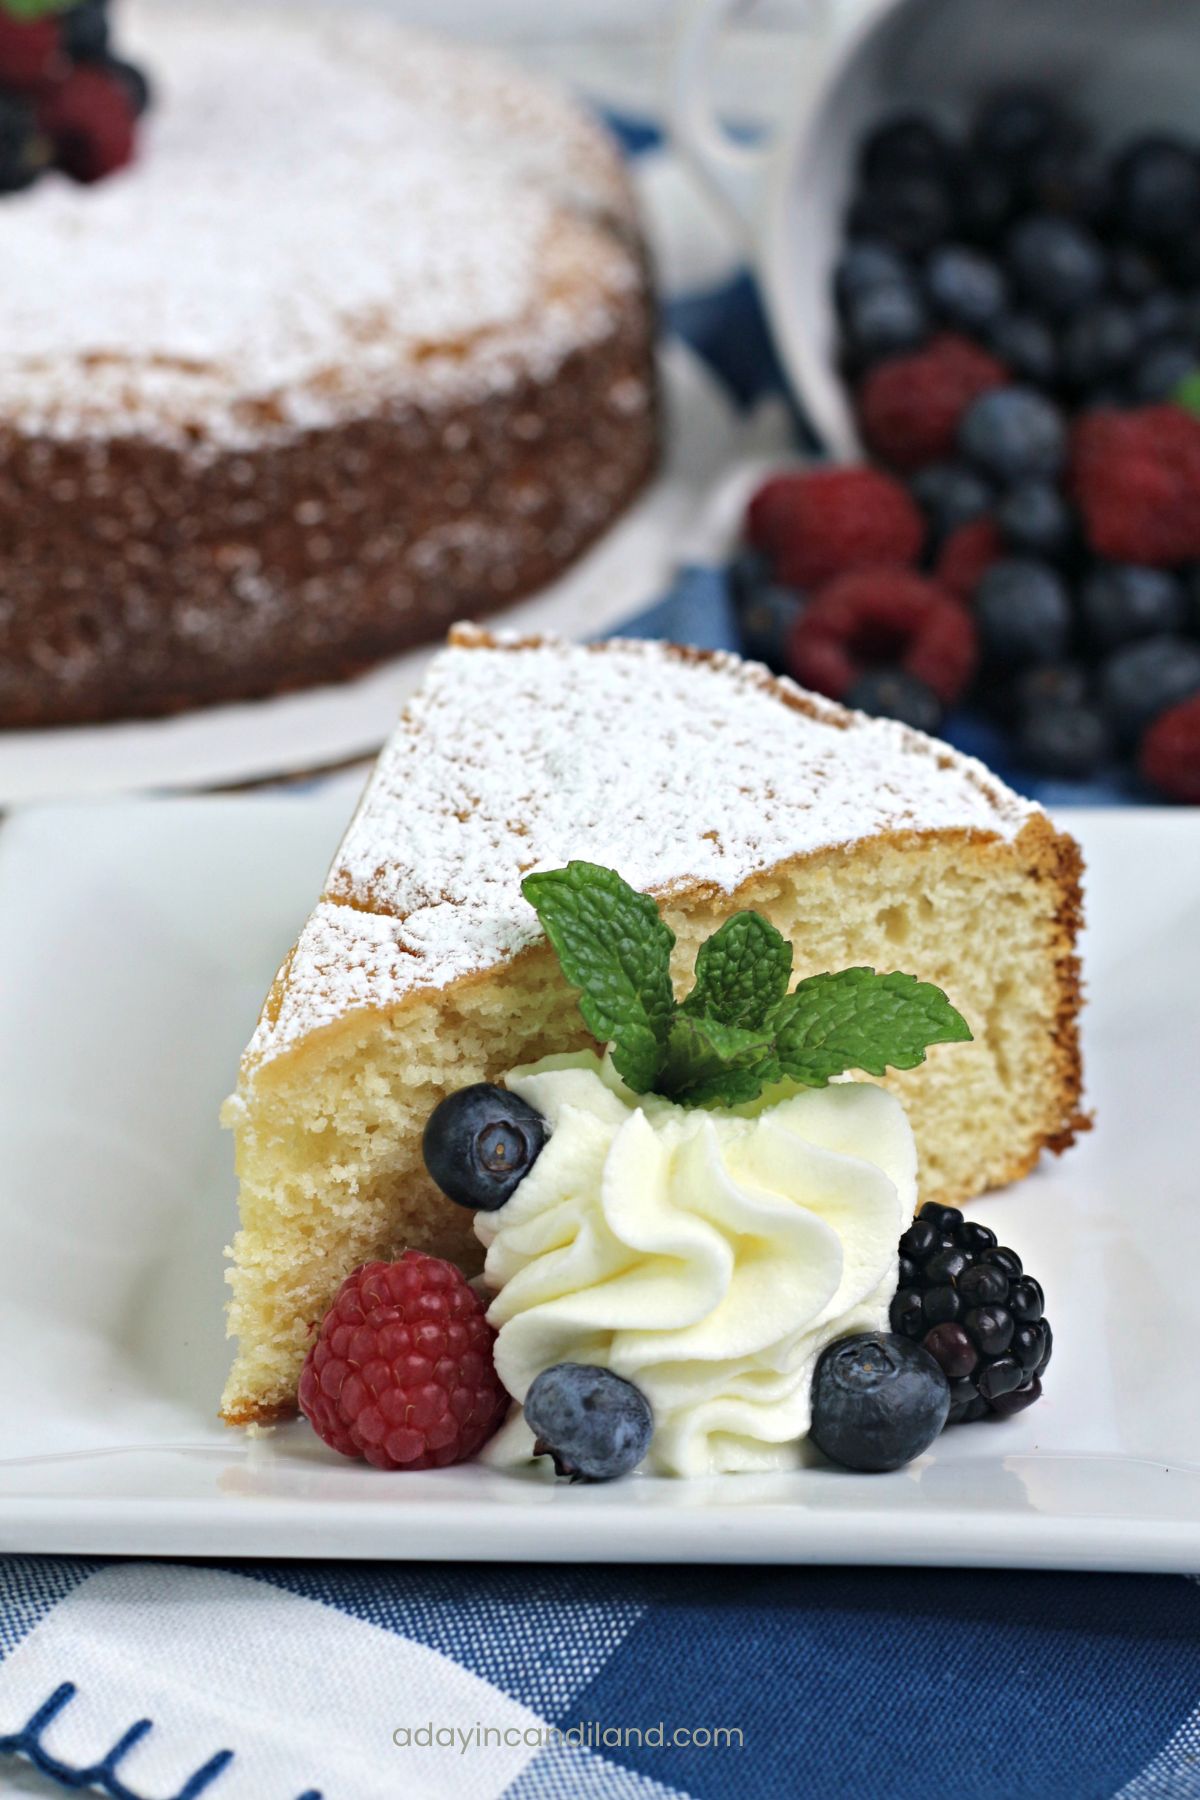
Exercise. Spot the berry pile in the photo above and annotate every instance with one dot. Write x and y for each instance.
(1020, 329)
(67, 101)
(967, 1300)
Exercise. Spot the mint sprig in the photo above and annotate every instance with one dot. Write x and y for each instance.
(615, 948)
(739, 1029)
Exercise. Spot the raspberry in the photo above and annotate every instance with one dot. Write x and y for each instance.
(889, 616)
(90, 117)
(1170, 753)
(967, 555)
(823, 522)
(1136, 477)
(401, 1373)
(910, 407)
(30, 53)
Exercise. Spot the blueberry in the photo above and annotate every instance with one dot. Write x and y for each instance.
(1099, 343)
(1134, 274)
(765, 622)
(906, 1314)
(1000, 1377)
(84, 31)
(1026, 1301)
(1027, 347)
(1158, 189)
(1161, 314)
(594, 1424)
(480, 1142)
(1046, 688)
(905, 144)
(1016, 123)
(1013, 434)
(23, 151)
(991, 1328)
(135, 82)
(985, 199)
(1141, 680)
(1161, 369)
(892, 694)
(1023, 611)
(1065, 178)
(1058, 265)
(885, 321)
(1121, 602)
(878, 1401)
(1035, 520)
(1071, 742)
(865, 266)
(984, 1285)
(912, 212)
(950, 495)
(952, 1350)
(965, 287)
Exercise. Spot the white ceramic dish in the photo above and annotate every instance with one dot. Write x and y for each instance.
(136, 940)
(323, 727)
(1121, 64)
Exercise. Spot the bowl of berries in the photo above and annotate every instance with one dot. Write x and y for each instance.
(980, 251)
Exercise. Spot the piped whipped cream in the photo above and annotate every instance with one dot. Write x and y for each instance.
(709, 1257)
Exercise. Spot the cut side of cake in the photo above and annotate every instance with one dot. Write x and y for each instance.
(704, 781)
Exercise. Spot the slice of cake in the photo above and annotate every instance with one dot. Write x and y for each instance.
(706, 782)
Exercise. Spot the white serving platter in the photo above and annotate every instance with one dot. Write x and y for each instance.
(136, 941)
(321, 728)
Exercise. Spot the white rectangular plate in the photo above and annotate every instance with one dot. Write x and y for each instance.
(136, 942)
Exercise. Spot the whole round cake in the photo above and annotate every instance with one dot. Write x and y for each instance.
(360, 344)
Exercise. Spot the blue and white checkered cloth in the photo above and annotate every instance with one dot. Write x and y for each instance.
(166, 1681)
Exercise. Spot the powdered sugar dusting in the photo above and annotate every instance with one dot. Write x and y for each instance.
(327, 211)
(672, 769)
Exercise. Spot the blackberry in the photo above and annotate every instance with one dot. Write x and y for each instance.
(969, 1302)
(905, 144)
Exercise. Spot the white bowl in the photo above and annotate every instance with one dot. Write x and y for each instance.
(1121, 64)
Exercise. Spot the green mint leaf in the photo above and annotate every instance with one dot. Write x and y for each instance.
(709, 1060)
(615, 948)
(1187, 394)
(859, 1020)
(742, 972)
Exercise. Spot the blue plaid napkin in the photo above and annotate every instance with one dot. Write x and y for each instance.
(159, 1681)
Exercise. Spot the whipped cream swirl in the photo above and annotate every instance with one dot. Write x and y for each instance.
(708, 1257)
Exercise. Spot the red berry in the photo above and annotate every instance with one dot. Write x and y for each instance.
(1136, 477)
(90, 117)
(1170, 754)
(401, 1372)
(890, 616)
(966, 556)
(30, 53)
(825, 521)
(909, 407)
